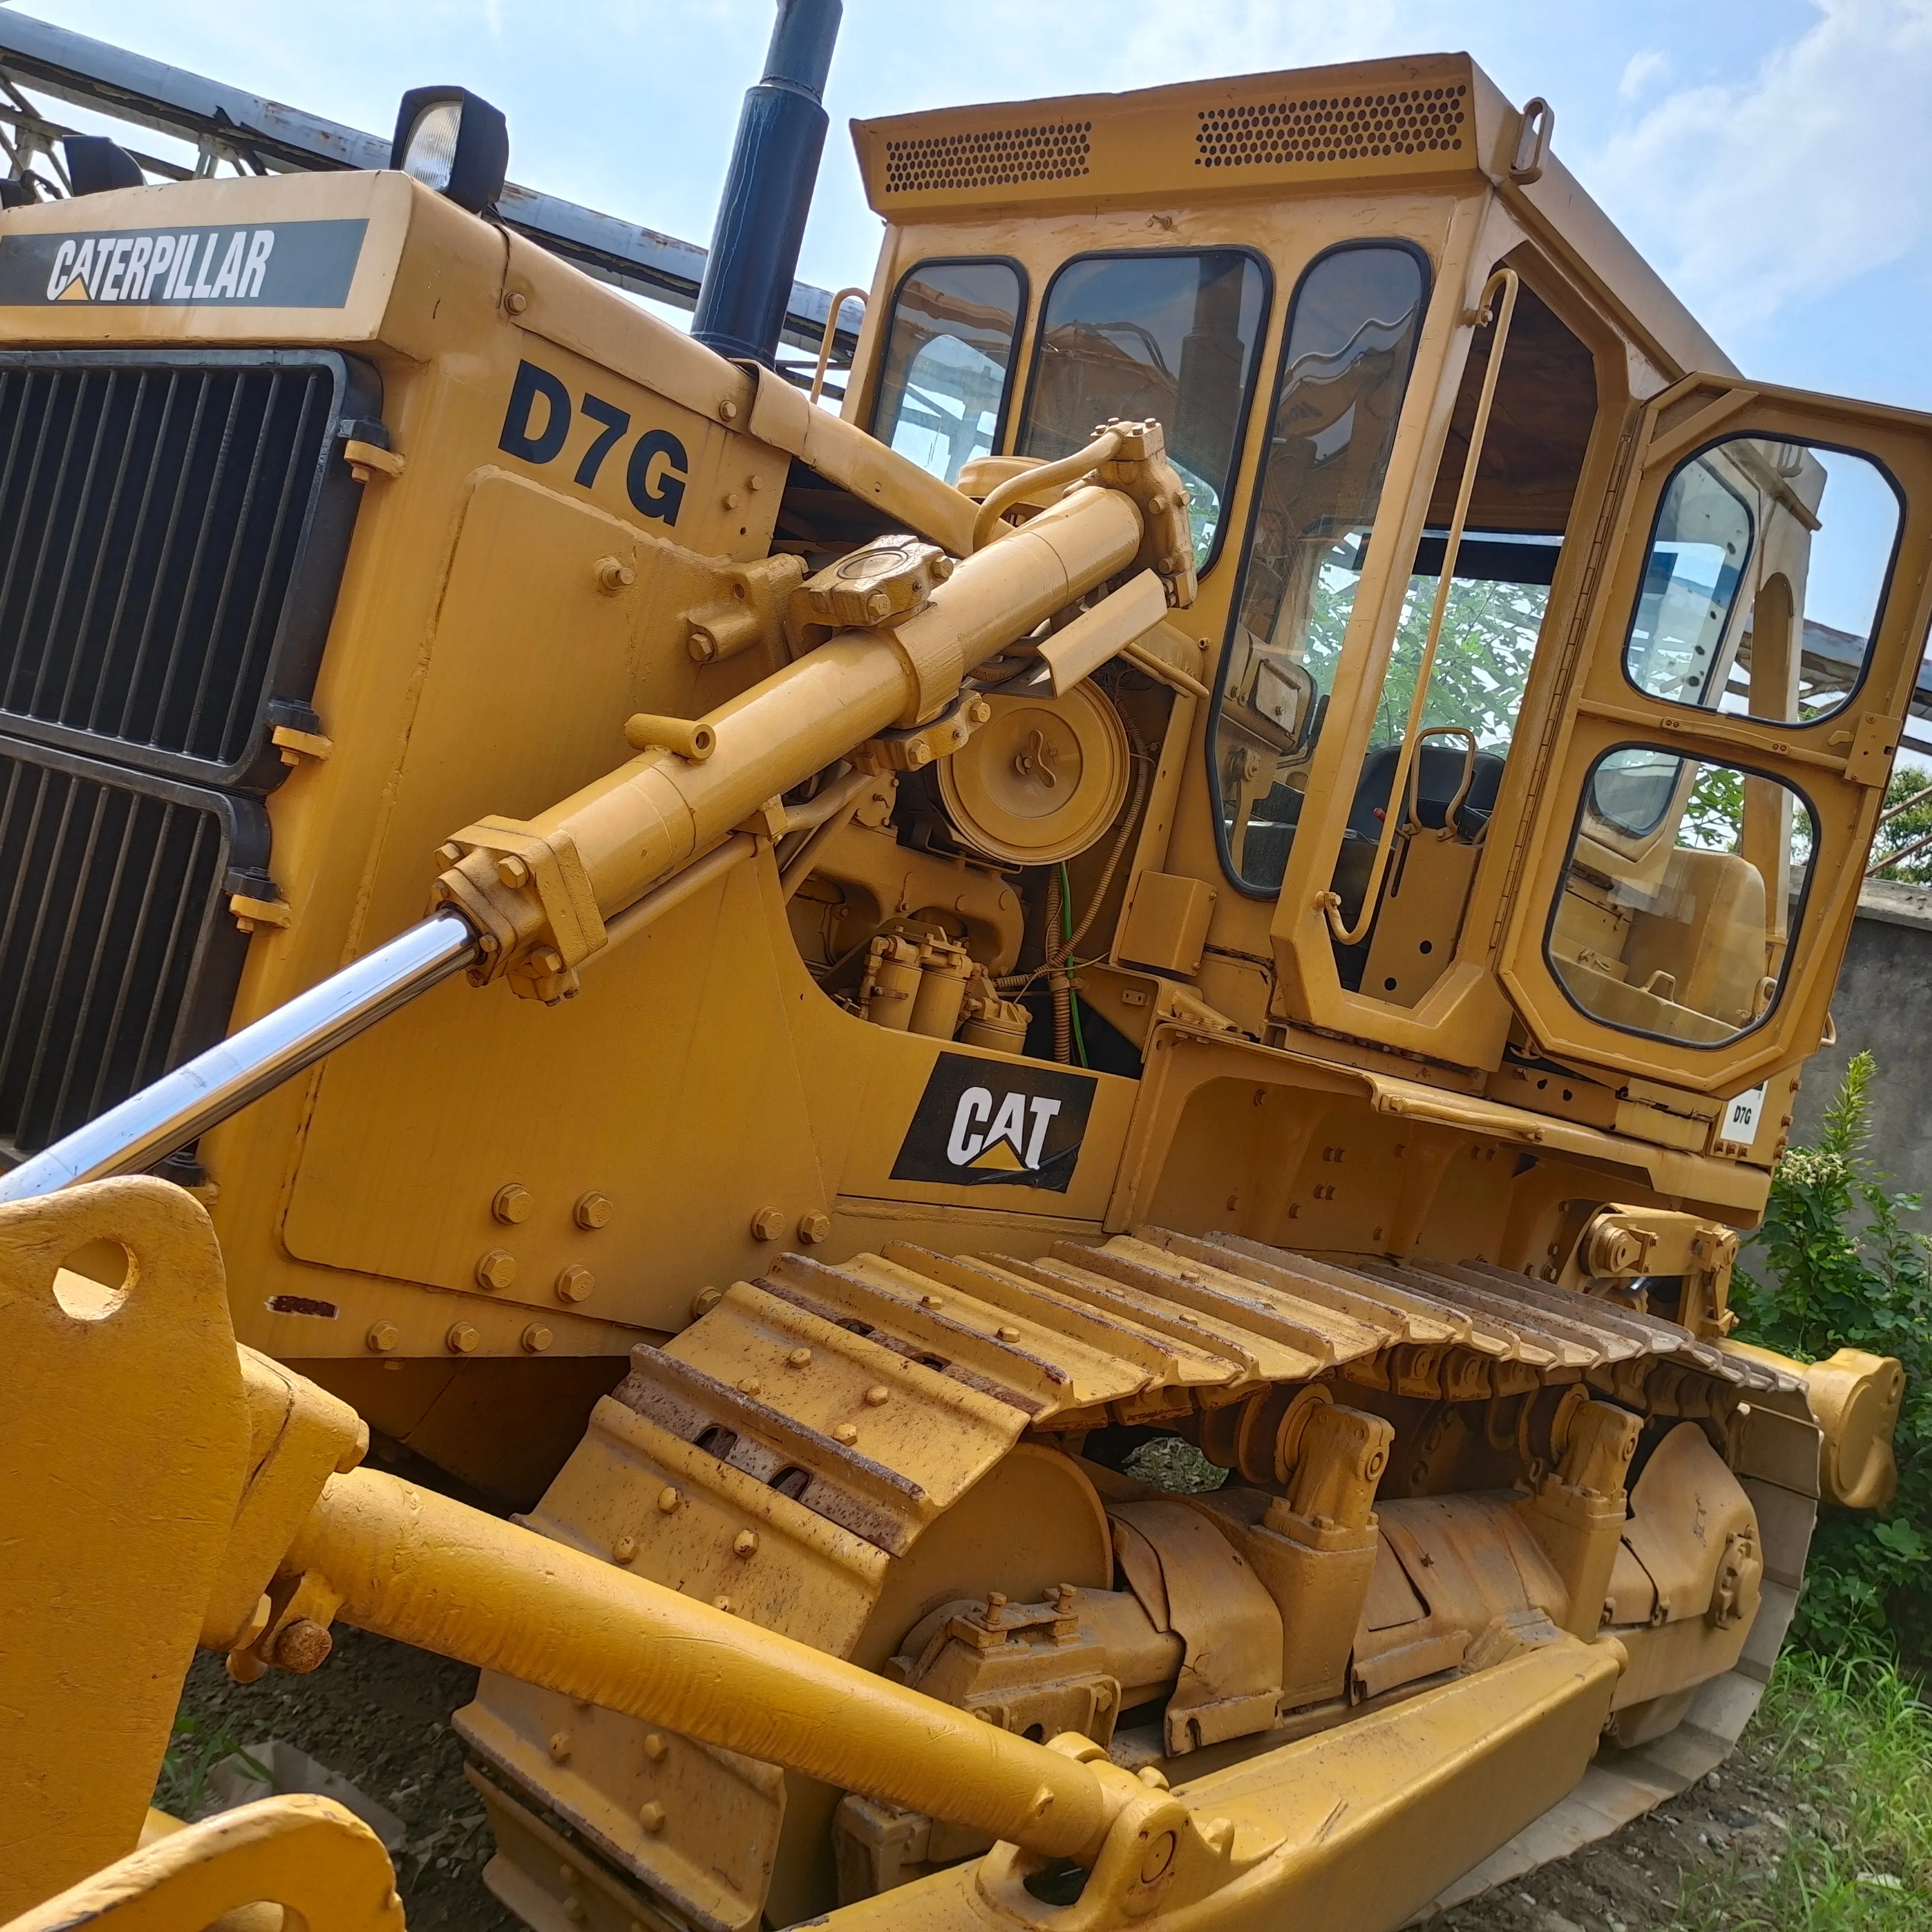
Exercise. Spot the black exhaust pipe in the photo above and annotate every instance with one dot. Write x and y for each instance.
(748, 278)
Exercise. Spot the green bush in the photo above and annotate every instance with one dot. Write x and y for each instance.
(1839, 1271)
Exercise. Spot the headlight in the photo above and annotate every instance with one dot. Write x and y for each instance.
(454, 142)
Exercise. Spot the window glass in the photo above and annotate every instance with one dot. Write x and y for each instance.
(1676, 922)
(1169, 336)
(948, 356)
(1351, 340)
(1763, 586)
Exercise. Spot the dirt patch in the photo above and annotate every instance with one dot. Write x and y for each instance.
(379, 1713)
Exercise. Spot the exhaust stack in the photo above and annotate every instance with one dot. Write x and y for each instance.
(748, 278)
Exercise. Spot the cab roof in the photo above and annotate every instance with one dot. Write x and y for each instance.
(1428, 121)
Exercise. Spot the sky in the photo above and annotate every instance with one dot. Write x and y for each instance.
(1773, 158)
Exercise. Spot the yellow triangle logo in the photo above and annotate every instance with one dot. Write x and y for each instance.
(75, 291)
(1001, 1155)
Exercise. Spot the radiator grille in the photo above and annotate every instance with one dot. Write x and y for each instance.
(1332, 127)
(117, 952)
(993, 158)
(172, 527)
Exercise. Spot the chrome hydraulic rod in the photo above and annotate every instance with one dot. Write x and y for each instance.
(150, 1125)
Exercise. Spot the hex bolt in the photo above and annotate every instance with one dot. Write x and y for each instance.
(592, 1210)
(768, 1224)
(814, 1227)
(559, 1746)
(669, 1497)
(1007, 1333)
(382, 1336)
(847, 1432)
(575, 1284)
(654, 1748)
(516, 301)
(651, 1816)
(624, 1549)
(462, 1339)
(613, 575)
(705, 1300)
(536, 1338)
(878, 1396)
(721, 1603)
(303, 1646)
(745, 1543)
(512, 871)
(514, 1203)
(496, 1269)
(799, 1358)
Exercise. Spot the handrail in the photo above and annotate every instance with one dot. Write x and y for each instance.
(1462, 790)
(831, 335)
(1330, 903)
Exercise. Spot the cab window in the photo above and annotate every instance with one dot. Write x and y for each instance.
(1172, 336)
(948, 362)
(1351, 340)
(1762, 590)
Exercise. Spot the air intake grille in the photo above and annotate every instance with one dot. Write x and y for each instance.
(994, 157)
(172, 528)
(117, 953)
(1341, 128)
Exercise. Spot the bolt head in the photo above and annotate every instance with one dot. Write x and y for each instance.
(516, 301)
(496, 1269)
(1007, 1333)
(462, 1339)
(593, 1210)
(799, 1358)
(559, 1746)
(767, 1224)
(814, 1227)
(705, 1300)
(847, 1432)
(513, 1203)
(878, 1396)
(536, 1338)
(575, 1284)
(624, 1549)
(513, 872)
(651, 1816)
(654, 1748)
(382, 1336)
(745, 1543)
(669, 1497)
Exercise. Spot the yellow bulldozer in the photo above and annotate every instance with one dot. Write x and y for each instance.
(1000, 1136)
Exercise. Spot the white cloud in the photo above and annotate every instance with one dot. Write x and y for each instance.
(1755, 195)
(1640, 70)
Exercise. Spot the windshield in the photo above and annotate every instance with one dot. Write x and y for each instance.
(1167, 335)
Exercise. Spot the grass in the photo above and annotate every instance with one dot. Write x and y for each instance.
(1853, 1733)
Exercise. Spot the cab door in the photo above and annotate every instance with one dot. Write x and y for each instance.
(1685, 876)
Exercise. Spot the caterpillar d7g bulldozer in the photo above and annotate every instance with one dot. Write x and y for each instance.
(1244, 853)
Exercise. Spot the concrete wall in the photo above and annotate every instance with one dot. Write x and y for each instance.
(1884, 1004)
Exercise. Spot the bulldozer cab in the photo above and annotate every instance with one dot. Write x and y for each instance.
(1555, 684)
